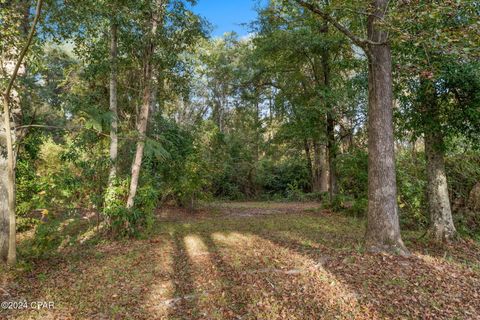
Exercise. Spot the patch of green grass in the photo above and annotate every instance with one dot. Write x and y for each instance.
(398, 282)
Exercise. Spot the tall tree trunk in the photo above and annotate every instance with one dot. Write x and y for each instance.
(442, 226)
(142, 122)
(331, 145)
(308, 158)
(4, 205)
(10, 182)
(320, 177)
(113, 105)
(110, 194)
(383, 229)
(332, 157)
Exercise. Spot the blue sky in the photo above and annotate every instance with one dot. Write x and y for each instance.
(228, 15)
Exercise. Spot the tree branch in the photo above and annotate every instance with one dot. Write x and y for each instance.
(25, 48)
(361, 42)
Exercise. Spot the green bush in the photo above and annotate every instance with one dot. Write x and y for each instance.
(358, 208)
(353, 174)
(47, 238)
(124, 222)
(411, 184)
(288, 178)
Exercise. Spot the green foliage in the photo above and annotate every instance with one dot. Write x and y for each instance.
(47, 238)
(353, 173)
(134, 222)
(355, 207)
(236, 118)
(288, 178)
(463, 172)
(359, 208)
(294, 193)
(27, 182)
(181, 174)
(411, 184)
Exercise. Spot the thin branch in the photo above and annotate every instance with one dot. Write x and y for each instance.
(361, 42)
(25, 48)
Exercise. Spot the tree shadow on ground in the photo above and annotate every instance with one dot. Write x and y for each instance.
(115, 280)
(184, 300)
(305, 266)
(395, 286)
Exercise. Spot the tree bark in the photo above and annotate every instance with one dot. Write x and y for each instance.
(442, 226)
(331, 145)
(308, 158)
(4, 205)
(383, 229)
(320, 177)
(332, 157)
(142, 122)
(113, 105)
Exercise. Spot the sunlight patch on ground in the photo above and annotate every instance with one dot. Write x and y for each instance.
(195, 246)
(289, 274)
(233, 238)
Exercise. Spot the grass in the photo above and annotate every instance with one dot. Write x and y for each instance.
(246, 261)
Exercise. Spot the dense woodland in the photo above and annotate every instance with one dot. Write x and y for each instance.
(114, 111)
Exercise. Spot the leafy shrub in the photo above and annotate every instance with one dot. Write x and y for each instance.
(341, 202)
(124, 222)
(358, 208)
(463, 172)
(46, 238)
(24, 223)
(294, 193)
(411, 184)
(288, 178)
(353, 174)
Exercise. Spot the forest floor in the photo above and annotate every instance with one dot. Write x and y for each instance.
(243, 261)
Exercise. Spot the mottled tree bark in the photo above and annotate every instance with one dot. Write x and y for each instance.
(113, 105)
(142, 124)
(110, 195)
(4, 208)
(442, 226)
(383, 229)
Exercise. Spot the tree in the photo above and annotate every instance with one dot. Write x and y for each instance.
(156, 19)
(9, 144)
(113, 102)
(383, 228)
(308, 63)
(439, 41)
